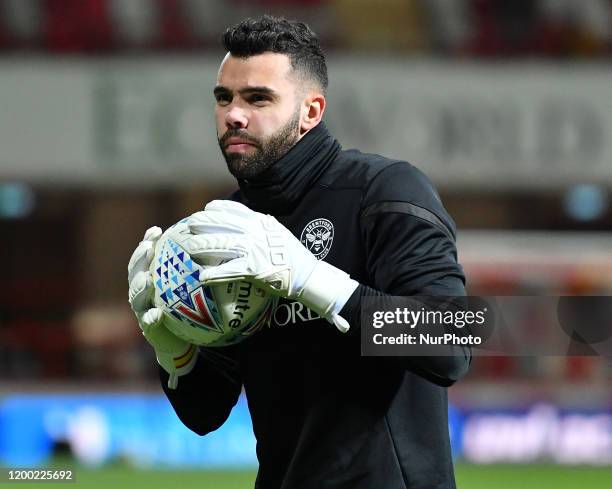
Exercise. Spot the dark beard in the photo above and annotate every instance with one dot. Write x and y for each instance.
(266, 152)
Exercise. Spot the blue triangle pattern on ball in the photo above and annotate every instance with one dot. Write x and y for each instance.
(193, 278)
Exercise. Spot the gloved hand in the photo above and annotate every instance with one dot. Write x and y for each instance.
(262, 249)
(176, 356)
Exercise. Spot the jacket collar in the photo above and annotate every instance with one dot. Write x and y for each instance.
(282, 185)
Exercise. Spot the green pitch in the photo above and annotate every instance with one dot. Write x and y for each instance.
(468, 477)
(532, 477)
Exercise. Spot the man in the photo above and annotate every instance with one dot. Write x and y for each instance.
(323, 416)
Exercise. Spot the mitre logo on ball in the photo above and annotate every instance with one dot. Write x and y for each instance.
(208, 315)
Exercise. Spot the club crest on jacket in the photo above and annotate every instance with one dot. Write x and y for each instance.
(318, 236)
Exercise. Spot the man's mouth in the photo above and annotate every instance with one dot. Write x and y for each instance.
(237, 145)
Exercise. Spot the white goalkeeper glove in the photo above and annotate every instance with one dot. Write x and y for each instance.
(176, 356)
(263, 250)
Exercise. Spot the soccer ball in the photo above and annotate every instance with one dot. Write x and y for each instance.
(206, 315)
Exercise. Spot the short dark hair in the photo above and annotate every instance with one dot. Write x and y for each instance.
(279, 35)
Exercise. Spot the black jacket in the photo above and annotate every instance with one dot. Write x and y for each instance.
(325, 417)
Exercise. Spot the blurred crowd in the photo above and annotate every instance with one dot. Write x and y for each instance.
(446, 28)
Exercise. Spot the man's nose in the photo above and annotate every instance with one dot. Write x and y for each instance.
(236, 118)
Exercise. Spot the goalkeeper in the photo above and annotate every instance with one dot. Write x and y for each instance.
(322, 227)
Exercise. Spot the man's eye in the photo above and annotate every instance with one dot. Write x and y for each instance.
(223, 99)
(257, 98)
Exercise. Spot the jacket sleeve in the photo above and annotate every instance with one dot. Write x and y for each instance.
(205, 397)
(410, 246)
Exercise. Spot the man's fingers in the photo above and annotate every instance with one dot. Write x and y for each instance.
(143, 254)
(140, 260)
(230, 207)
(152, 234)
(151, 319)
(209, 246)
(225, 212)
(232, 270)
(211, 225)
(141, 291)
(218, 221)
(160, 337)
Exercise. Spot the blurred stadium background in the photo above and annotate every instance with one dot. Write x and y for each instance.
(106, 129)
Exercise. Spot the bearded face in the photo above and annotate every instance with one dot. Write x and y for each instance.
(263, 107)
(247, 155)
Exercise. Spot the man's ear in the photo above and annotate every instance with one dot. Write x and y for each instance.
(312, 111)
